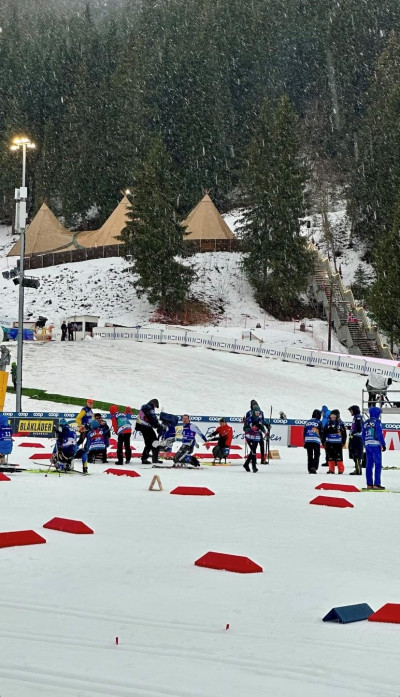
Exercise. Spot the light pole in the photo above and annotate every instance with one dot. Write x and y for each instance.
(21, 143)
(330, 317)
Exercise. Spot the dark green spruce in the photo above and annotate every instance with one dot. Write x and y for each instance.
(154, 238)
(277, 261)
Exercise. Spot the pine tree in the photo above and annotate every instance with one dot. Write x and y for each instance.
(376, 178)
(361, 282)
(384, 294)
(154, 238)
(277, 261)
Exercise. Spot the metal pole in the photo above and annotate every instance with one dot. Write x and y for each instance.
(20, 343)
(330, 318)
(23, 163)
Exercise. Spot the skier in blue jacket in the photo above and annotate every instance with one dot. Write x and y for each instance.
(6, 441)
(312, 441)
(95, 443)
(325, 414)
(188, 438)
(374, 446)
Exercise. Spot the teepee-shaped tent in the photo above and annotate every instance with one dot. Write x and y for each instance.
(205, 222)
(109, 231)
(44, 234)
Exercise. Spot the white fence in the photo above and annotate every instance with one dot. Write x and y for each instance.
(307, 357)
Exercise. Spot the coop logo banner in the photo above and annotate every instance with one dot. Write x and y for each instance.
(36, 426)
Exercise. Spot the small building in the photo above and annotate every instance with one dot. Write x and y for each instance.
(84, 325)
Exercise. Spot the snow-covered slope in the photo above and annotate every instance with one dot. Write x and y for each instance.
(101, 287)
(64, 602)
(183, 379)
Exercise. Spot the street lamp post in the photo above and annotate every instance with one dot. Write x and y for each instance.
(330, 317)
(21, 143)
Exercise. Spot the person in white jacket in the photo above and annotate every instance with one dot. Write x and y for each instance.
(377, 386)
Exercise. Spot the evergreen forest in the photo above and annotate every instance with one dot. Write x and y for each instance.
(221, 87)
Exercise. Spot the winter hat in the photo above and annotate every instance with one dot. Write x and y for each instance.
(113, 409)
(316, 414)
(254, 405)
(336, 411)
(374, 412)
(94, 424)
(355, 409)
(128, 410)
(154, 403)
(90, 401)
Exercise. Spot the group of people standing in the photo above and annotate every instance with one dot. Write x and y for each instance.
(326, 429)
(159, 433)
(68, 331)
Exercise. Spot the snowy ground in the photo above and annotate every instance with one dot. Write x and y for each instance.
(100, 287)
(196, 380)
(63, 603)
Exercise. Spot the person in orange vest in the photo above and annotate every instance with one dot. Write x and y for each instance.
(225, 437)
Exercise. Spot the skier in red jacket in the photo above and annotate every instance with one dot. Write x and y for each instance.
(225, 437)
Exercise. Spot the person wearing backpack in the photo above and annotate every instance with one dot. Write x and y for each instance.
(374, 446)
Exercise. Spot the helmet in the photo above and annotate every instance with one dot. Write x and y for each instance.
(113, 409)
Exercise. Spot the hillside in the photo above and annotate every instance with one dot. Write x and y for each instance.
(101, 287)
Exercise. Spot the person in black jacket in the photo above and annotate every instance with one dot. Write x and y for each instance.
(334, 437)
(356, 444)
(146, 422)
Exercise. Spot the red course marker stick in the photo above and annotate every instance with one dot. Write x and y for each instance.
(227, 626)
(116, 640)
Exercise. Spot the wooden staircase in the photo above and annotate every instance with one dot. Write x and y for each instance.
(359, 339)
